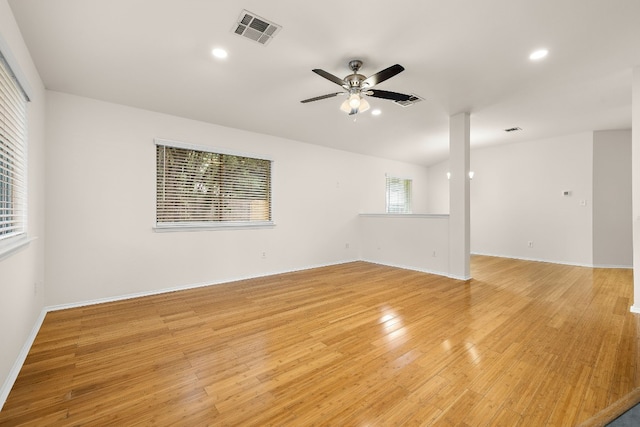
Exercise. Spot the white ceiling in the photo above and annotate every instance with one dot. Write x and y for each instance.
(460, 55)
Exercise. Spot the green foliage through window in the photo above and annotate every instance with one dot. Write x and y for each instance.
(200, 187)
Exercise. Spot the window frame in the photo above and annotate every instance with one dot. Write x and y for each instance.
(211, 225)
(16, 154)
(406, 183)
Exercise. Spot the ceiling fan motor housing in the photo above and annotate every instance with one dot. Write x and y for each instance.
(354, 80)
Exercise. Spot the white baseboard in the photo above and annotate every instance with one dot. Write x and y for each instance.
(624, 267)
(463, 278)
(550, 261)
(183, 287)
(22, 356)
(406, 267)
(87, 303)
(635, 309)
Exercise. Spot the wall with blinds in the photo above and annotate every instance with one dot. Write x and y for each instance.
(106, 223)
(13, 155)
(200, 187)
(22, 198)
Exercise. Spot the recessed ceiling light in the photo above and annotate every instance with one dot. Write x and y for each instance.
(538, 54)
(219, 53)
(376, 112)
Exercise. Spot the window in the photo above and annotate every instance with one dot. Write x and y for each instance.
(13, 154)
(398, 195)
(201, 188)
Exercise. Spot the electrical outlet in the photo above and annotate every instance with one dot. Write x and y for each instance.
(434, 254)
(264, 255)
(346, 246)
(530, 243)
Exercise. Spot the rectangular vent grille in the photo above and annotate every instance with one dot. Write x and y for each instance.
(413, 100)
(253, 27)
(513, 129)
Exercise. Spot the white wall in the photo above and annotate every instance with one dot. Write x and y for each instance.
(22, 273)
(517, 198)
(416, 242)
(438, 192)
(612, 216)
(101, 204)
(635, 177)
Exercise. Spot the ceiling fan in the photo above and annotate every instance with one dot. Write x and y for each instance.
(356, 85)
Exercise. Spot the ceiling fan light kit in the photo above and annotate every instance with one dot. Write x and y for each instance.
(356, 86)
(354, 104)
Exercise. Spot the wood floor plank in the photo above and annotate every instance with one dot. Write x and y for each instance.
(523, 343)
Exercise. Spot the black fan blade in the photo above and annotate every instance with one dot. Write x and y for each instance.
(385, 94)
(318, 98)
(383, 75)
(330, 77)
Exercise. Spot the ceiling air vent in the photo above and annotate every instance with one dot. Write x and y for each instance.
(253, 27)
(413, 100)
(513, 129)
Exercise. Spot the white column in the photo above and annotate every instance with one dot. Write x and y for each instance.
(635, 185)
(459, 212)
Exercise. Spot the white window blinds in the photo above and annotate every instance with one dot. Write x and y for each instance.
(398, 195)
(13, 155)
(203, 188)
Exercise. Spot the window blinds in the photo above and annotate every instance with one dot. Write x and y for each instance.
(202, 188)
(13, 186)
(398, 195)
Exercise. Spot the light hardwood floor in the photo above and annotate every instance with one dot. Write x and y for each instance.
(357, 344)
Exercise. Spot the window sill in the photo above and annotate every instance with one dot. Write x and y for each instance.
(399, 215)
(13, 245)
(164, 228)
